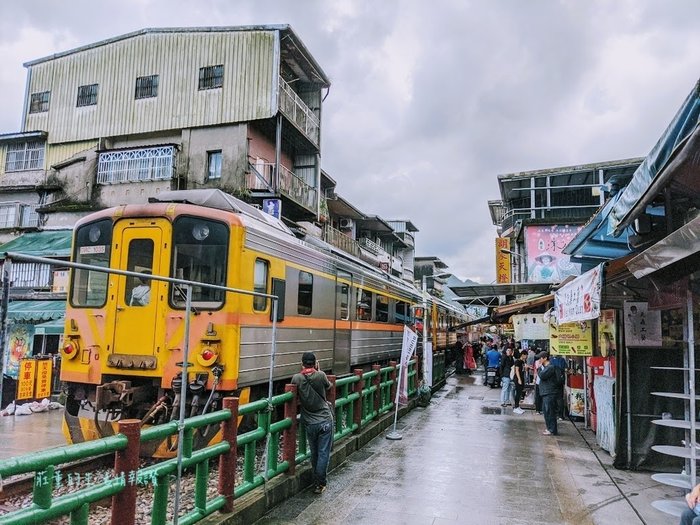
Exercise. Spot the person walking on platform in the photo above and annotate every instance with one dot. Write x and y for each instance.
(519, 381)
(506, 384)
(550, 381)
(317, 416)
(492, 360)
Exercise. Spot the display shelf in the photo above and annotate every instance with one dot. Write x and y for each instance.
(682, 481)
(675, 423)
(672, 507)
(673, 395)
(679, 452)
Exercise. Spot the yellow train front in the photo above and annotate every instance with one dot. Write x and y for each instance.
(124, 336)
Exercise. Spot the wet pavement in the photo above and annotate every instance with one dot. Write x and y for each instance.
(24, 434)
(465, 460)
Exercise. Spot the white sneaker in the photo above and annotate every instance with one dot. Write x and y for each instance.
(518, 411)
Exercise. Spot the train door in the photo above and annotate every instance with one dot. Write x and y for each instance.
(138, 299)
(343, 325)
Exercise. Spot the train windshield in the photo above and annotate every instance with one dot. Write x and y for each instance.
(200, 249)
(92, 246)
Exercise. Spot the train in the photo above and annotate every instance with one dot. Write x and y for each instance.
(124, 335)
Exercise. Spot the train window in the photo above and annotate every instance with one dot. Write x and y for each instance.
(364, 305)
(343, 294)
(262, 270)
(306, 293)
(382, 309)
(402, 313)
(93, 243)
(200, 247)
(140, 259)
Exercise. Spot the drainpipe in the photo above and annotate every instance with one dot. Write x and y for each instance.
(278, 155)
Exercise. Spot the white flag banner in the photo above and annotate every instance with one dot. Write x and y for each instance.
(428, 372)
(408, 348)
(579, 300)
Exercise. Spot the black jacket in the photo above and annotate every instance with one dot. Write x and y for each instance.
(549, 382)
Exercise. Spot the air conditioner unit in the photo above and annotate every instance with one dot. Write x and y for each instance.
(345, 224)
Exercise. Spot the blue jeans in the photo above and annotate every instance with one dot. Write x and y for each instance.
(689, 517)
(549, 407)
(320, 438)
(506, 389)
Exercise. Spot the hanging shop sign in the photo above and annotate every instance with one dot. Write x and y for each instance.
(572, 339)
(579, 300)
(607, 333)
(503, 260)
(642, 325)
(531, 326)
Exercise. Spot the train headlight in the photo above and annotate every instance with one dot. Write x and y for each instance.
(70, 350)
(207, 357)
(200, 231)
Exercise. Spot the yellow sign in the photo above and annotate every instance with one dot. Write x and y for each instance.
(43, 378)
(572, 339)
(502, 260)
(25, 379)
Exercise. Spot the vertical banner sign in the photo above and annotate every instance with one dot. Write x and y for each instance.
(607, 333)
(19, 346)
(408, 348)
(428, 372)
(25, 380)
(44, 368)
(642, 326)
(502, 260)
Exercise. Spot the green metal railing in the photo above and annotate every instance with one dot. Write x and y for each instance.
(358, 399)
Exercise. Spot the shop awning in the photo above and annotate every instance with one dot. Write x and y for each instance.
(673, 157)
(50, 243)
(674, 256)
(522, 307)
(36, 311)
(54, 327)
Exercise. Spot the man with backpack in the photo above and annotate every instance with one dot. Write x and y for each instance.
(551, 379)
(317, 416)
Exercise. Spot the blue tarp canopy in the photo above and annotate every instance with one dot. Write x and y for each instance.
(36, 311)
(673, 160)
(594, 243)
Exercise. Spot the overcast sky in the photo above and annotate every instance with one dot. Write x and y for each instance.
(431, 100)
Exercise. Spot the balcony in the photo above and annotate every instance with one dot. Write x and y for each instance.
(296, 110)
(340, 240)
(371, 246)
(261, 177)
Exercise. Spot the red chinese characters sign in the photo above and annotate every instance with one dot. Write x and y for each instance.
(502, 260)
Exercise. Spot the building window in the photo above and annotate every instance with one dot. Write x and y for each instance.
(260, 284)
(17, 215)
(364, 305)
(23, 156)
(39, 102)
(211, 77)
(306, 293)
(382, 309)
(146, 87)
(214, 164)
(87, 95)
(136, 165)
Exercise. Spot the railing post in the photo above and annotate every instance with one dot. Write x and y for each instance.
(357, 408)
(331, 396)
(227, 462)
(376, 381)
(126, 462)
(289, 452)
(392, 375)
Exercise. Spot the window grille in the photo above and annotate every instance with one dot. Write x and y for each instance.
(211, 77)
(31, 275)
(17, 215)
(25, 156)
(39, 102)
(136, 165)
(87, 95)
(146, 87)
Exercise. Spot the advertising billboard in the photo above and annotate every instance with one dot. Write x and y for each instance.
(543, 246)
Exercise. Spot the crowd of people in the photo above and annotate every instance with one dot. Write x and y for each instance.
(519, 371)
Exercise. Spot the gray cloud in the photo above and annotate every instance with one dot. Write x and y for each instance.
(431, 100)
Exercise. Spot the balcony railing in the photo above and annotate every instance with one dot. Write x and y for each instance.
(136, 165)
(298, 112)
(371, 246)
(340, 240)
(512, 215)
(262, 176)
